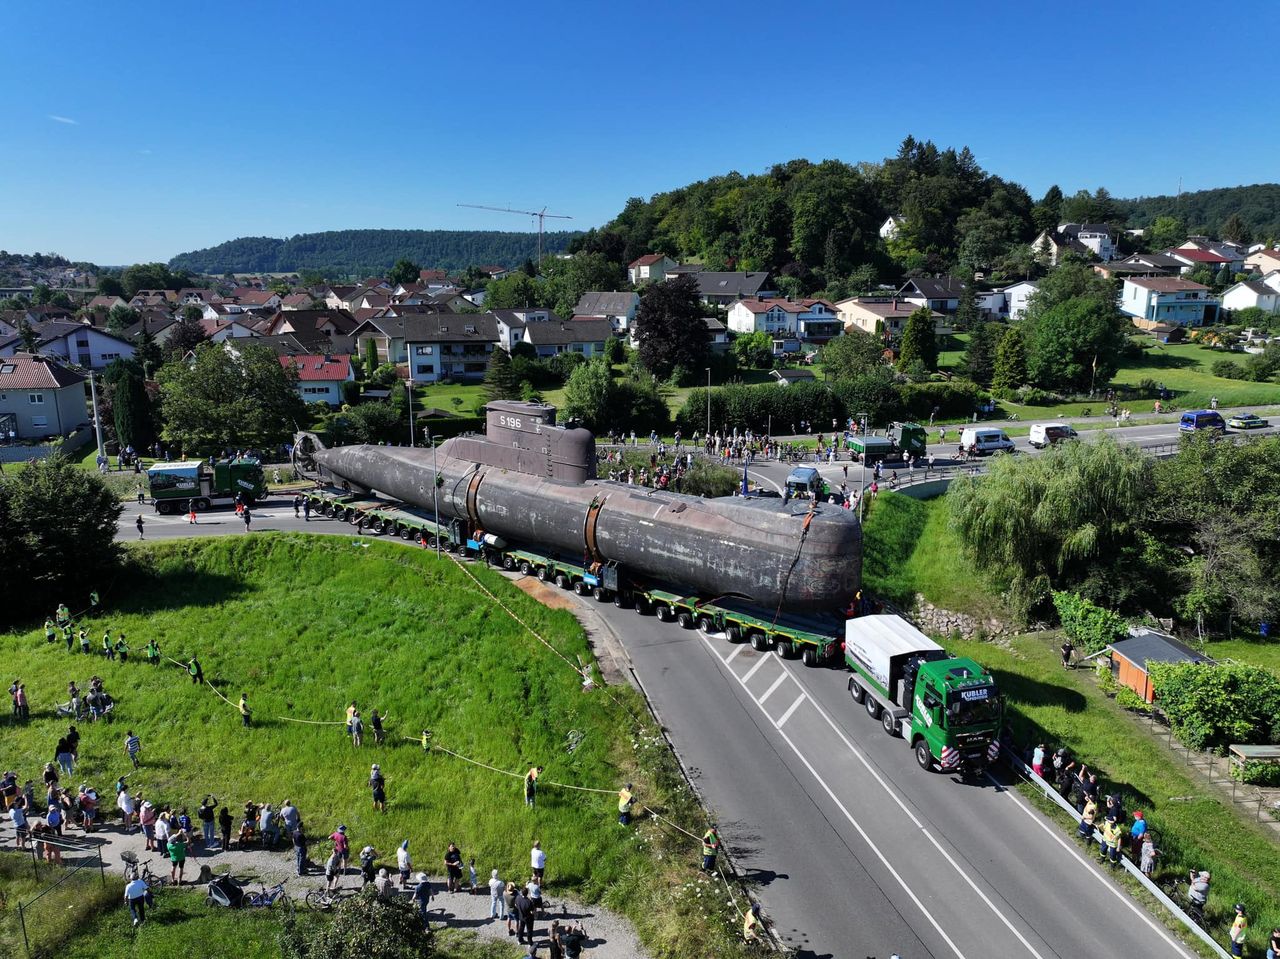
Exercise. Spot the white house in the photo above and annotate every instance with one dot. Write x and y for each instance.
(511, 324)
(941, 294)
(320, 377)
(39, 397)
(1263, 261)
(1263, 293)
(585, 336)
(77, 343)
(883, 315)
(891, 227)
(1080, 238)
(807, 321)
(1016, 297)
(618, 308)
(650, 268)
(435, 346)
(1170, 300)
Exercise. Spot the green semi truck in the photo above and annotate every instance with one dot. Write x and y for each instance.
(948, 709)
(903, 440)
(176, 487)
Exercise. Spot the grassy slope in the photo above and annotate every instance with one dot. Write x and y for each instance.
(910, 549)
(305, 625)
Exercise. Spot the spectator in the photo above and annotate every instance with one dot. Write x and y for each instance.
(509, 904)
(1238, 930)
(384, 887)
(332, 870)
(206, 813)
(523, 909)
(1087, 816)
(224, 827)
(1137, 831)
(125, 804)
(538, 859)
(377, 782)
(496, 888)
(1037, 760)
(404, 863)
(270, 826)
(453, 868)
(177, 856)
(18, 815)
(341, 845)
(422, 897)
(533, 889)
(1273, 946)
(299, 849)
(1147, 857)
(135, 894)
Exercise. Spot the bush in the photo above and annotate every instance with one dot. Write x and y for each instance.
(957, 398)
(1256, 773)
(1091, 628)
(757, 407)
(361, 926)
(1126, 698)
(1212, 707)
(1228, 370)
(1034, 396)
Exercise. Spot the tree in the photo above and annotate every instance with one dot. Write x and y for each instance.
(362, 925)
(602, 402)
(109, 285)
(669, 327)
(967, 315)
(979, 361)
(500, 380)
(41, 295)
(615, 351)
(852, 355)
(148, 352)
(370, 357)
(1076, 345)
(59, 525)
(1235, 229)
(517, 291)
(919, 342)
(222, 400)
(404, 271)
(151, 276)
(30, 338)
(1010, 368)
(1044, 215)
(754, 350)
(1165, 232)
(130, 404)
(121, 318)
(61, 298)
(184, 336)
(565, 279)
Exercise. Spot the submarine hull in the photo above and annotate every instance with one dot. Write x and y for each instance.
(775, 555)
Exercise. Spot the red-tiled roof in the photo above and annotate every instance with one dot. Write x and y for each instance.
(22, 371)
(255, 297)
(647, 260)
(789, 306)
(1200, 256)
(313, 368)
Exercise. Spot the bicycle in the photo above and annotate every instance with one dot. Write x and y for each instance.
(136, 870)
(267, 898)
(322, 900)
(1179, 890)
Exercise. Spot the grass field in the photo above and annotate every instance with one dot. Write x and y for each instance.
(305, 625)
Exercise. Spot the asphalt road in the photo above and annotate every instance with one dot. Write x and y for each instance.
(857, 850)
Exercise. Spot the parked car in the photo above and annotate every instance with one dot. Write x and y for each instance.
(1247, 421)
(1195, 420)
(1048, 434)
(983, 441)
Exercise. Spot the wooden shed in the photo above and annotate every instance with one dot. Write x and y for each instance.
(1129, 658)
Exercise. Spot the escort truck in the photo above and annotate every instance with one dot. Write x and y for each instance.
(176, 487)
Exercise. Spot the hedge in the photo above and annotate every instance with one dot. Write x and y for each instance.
(1215, 706)
(759, 407)
(1091, 628)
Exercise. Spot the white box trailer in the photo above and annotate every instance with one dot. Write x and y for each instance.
(880, 647)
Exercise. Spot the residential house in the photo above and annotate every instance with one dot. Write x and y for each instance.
(105, 303)
(1263, 293)
(587, 337)
(320, 376)
(158, 324)
(650, 268)
(719, 334)
(336, 297)
(790, 322)
(296, 301)
(882, 315)
(1017, 296)
(1135, 266)
(494, 272)
(1232, 253)
(436, 346)
(257, 299)
(10, 320)
(447, 300)
(511, 324)
(144, 298)
(1083, 239)
(1158, 264)
(194, 296)
(721, 289)
(941, 294)
(76, 343)
(1167, 299)
(40, 397)
(336, 325)
(891, 227)
(683, 269)
(433, 276)
(618, 308)
(1263, 261)
(1192, 258)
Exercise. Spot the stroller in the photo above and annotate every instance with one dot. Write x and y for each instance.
(226, 892)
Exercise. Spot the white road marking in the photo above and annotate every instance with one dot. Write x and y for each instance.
(1111, 887)
(896, 798)
(752, 671)
(790, 709)
(734, 655)
(769, 692)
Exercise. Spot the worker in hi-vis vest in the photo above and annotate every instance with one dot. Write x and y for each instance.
(625, 802)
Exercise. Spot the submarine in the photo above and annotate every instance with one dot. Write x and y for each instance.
(533, 482)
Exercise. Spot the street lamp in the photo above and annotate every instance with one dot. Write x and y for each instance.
(435, 487)
(408, 385)
(708, 436)
(862, 495)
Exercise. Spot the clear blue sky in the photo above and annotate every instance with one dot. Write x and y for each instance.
(138, 130)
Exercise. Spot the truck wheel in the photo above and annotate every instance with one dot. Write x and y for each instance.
(759, 641)
(562, 581)
(525, 567)
(734, 633)
(856, 691)
(810, 656)
(663, 612)
(889, 722)
(508, 562)
(685, 619)
(621, 600)
(923, 756)
(642, 606)
(543, 574)
(580, 587)
(203, 504)
(872, 707)
(601, 594)
(785, 648)
(164, 508)
(705, 624)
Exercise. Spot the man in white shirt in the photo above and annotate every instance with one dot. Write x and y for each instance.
(537, 859)
(135, 894)
(496, 889)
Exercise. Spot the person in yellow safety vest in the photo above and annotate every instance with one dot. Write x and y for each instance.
(426, 741)
(50, 634)
(1111, 833)
(531, 785)
(625, 802)
(244, 708)
(752, 924)
(1238, 930)
(710, 846)
(64, 614)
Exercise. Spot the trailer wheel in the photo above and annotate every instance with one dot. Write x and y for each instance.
(889, 722)
(405, 533)
(872, 707)
(601, 594)
(784, 648)
(810, 657)
(664, 613)
(562, 581)
(203, 504)
(525, 567)
(706, 625)
(164, 508)
(685, 619)
(856, 691)
(508, 562)
(923, 756)
(543, 573)
(580, 587)
(621, 600)
(759, 641)
(642, 606)
(734, 633)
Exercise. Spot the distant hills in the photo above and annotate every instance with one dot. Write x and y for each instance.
(370, 251)
(1205, 210)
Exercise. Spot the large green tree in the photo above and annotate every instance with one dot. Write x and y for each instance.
(501, 382)
(1076, 345)
(184, 336)
(130, 403)
(1010, 368)
(565, 279)
(919, 341)
(601, 401)
(222, 400)
(404, 271)
(980, 354)
(1165, 232)
(517, 291)
(670, 329)
(754, 350)
(151, 276)
(121, 318)
(58, 540)
(852, 355)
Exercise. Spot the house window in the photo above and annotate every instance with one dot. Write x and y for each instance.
(423, 350)
(110, 356)
(314, 390)
(427, 369)
(82, 342)
(35, 398)
(39, 422)
(578, 348)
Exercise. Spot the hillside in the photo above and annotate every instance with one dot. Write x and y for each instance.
(1205, 210)
(369, 251)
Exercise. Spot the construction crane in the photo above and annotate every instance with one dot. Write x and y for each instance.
(540, 214)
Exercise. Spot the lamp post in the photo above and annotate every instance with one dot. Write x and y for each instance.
(708, 402)
(862, 494)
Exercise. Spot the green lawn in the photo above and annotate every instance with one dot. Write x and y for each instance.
(305, 625)
(1184, 369)
(1247, 649)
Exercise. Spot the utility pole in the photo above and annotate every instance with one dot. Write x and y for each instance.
(435, 488)
(862, 496)
(97, 417)
(408, 385)
(540, 214)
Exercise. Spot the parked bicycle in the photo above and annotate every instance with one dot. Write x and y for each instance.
(267, 898)
(1179, 890)
(133, 869)
(322, 900)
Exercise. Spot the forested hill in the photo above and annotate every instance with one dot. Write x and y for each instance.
(1204, 211)
(370, 251)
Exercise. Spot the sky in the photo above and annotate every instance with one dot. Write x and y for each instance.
(136, 131)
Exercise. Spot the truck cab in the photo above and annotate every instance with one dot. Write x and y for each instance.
(805, 482)
(176, 487)
(909, 438)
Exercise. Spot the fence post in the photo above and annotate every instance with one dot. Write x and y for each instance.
(22, 920)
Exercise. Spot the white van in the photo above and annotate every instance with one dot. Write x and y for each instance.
(984, 441)
(1047, 434)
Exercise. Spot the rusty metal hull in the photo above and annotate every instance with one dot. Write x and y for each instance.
(774, 555)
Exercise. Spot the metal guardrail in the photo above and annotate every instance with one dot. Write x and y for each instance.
(1174, 909)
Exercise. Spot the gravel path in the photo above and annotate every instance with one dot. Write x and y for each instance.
(611, 935)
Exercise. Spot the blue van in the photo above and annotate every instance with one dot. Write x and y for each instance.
(1202, 420)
